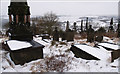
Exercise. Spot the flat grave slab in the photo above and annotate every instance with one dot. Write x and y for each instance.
(88, 52)
(25, 51)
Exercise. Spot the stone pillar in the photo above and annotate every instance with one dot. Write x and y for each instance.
(67, 27)
(28, 18)
(81, 25)
(24, 18)
(10, 18)
(111, 29)
(16, 18)
(75, 26)
(87, 24)
(56, 35)
(90, 34)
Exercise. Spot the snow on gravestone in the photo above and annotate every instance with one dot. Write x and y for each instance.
(115, 54)
(17, 45)
(25, 51)
(90, 53)
(109, 46)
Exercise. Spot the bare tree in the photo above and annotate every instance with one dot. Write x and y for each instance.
(47, 22)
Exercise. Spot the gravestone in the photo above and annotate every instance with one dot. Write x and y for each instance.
(69, 34)
(90, 34)
(99, 34)
(111, 29)
(56, 35)
(20, 32)
(75, 27)
(67, 26)
(86, 24)
(118, 30)
(81, 26)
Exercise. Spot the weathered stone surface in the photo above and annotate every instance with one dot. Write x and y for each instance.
(69, 35)
(115, 54)
(82, 54)
(19, 21)
(56, 35)
(27, 54)
(90, 34)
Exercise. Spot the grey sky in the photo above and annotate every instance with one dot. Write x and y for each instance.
(68, 7)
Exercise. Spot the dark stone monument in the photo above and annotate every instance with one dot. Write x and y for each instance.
(62, 34)
(19, 20)
(81, 26)
(90, 34)
(67, 26)
(19, 31)
(56, 35)
(75, 27)
(115, 54)
(86, 24)
(118, 30)
(99, 34)
(69, 33)
(111, 29)
(80, 53)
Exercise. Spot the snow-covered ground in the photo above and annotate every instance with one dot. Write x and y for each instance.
(58, 57)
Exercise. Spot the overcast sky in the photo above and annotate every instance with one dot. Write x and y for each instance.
(82, 8)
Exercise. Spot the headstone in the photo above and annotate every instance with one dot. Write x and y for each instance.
(86, 24)
(111, 29)
(62, 34)
(56, 35)
(81, 26)
(69, 35)
(67, 26)
(118, 30)
(99, 34)
(90, 34)
(75, 28)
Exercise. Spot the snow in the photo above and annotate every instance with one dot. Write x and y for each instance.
(39, 40)
(111, 46)
(72, 64)
(115, 63)
(17, 45)
(94, 51)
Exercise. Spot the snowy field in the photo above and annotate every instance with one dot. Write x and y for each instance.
(59, 58)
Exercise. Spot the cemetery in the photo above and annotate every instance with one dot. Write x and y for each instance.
(45, 47)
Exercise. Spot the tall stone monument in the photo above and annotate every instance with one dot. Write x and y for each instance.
(75, 27)
(21, 45)
(19, 20)
(111, 29)
(86, 24)
(69, 34)
(118, 29)
(90, 34)
(81, 26)
(56, 35)
(67, 26)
